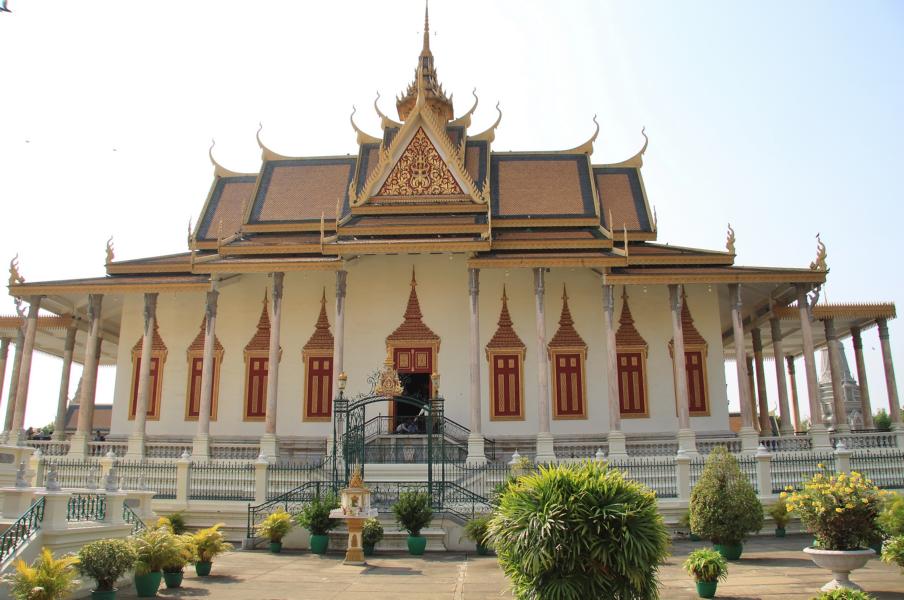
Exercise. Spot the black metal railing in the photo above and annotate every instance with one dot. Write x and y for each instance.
(412, 450)
(282, 478)
(657, 473)
(132, 518)
(455, 433)
(290, 501)
(792, 470)
(75, 472)
(86, 507)
(22, 529)
(221, 481)
(143, 474)
(885, 469)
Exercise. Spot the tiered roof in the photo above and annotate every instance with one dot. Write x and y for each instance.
(505, 337)
(566, 336)
(413, 328)
(322, 338)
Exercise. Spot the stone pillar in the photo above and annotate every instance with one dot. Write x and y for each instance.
(59, 423)
(839, 411)
(866, 408)
(269, 445)
(13, 383)
(687, 441)
(748, 433)
(894, 408)
(78, 445)
(818, 433)
(683, 475)
(778, 354)
(31, 329)
(764, 471)
(765, 423)
(136, 440)
(616, 437)
(260, 479)
(545, 452)
(795, 405)
(751, 385)
(339, 329)
(4, 352)
(201, 442)
(476, 451)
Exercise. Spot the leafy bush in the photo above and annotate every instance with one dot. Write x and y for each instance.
(187, 553)
(578, 532)
(843, 594)
(881, 420)
(413, 511)
(47, 578)
(105, 561)
(154, 549)
(315, 515)
(779, 513)
(893, 551)
(891, 518)
(177, 522)
(706, 564)
(724, 507)
(371, 531)
(209, 543)
(476, 529)
(275, 526)
(839, 510)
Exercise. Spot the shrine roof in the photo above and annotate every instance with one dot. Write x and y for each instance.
(622, 199)
(541, 186)
(224, 204)
(529, 239)
(651, 253)
(713, 274)
(169, 263)
(112, 284)
(476, 152)
(414, 224)
(556, 258)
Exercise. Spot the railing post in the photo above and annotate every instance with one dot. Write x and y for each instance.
(763, 471)
(260, 479)
(113, 510)
(842, 458)
(56, 504)
(36, 469)
(183, 465)
(106, 464)
(16, 501)
(683, 475)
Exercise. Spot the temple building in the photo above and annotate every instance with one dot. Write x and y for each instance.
(530, 290)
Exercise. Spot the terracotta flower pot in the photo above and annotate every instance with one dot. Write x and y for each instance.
(840, 563)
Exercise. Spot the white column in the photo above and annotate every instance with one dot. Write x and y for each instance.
(31, 329)
(78, 445)
(616, 437)
(763, 401)
(795, 404)
(269, 444)
(13, 383)
(339, 329)
(136, 440)
(545, 451)
(201, 442)
(818, 431)
(784, 427)
(476, 450)
(866, 408)
(894, 408)
(687, 442)
(751, 385)
(839, 416)
(4, 352)
(749, 437)
(59, 423)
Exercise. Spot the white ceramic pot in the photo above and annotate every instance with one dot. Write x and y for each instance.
(840, 563)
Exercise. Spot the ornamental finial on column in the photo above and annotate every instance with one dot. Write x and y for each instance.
(820, 263)
(14, 276)
(730, 240)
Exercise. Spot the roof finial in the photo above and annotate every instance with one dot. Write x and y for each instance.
(413, 278)
(426, 49)
(730, 240)
(820, 263)
(110, 250)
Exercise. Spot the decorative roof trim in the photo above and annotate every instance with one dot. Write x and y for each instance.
(586, 147)
(635, 161)
(864, 310)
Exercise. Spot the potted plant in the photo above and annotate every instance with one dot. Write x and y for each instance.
(708, 568)
(154, 548)
(476, 531)
(176, 522)
(209, 543)
(315, 517)
(105, 561)
(174, 568)
(579, 531)
(371, 534)
(413, 513)
(840, 511)
(893, 551)
(724, 507)
(47, 578)
(843, 594)
(275, 527)
(781, 516)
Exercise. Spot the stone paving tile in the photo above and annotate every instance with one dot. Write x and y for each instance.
(770, 569)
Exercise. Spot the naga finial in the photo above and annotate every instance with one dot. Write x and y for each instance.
(820, 263)
(338, 211)
(625, 230)
(730, 240)
(188, 238)
(14, 276)
(655, 220)
(110, 254)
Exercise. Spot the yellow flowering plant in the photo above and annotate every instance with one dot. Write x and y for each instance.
(840, 510)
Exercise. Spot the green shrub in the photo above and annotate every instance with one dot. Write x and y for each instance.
(881, 420)
(371, 532)
(779, 513)
(154, 549)
(579, 532)
(275, 526)
(315, 515)
(47, 578)
(476, 529)
(413, 511)
(187, 553)
(893, 551)
(724, 507)
(891, 518)
(105, 561)
(210, 542)
(843, 594)
(177, 522)
(706, 564)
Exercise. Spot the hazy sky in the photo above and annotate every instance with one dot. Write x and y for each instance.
(783, 118)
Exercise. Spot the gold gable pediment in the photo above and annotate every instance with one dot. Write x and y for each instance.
(420, 171)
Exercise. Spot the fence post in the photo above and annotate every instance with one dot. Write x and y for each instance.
(763, 471)
(683, 474)
(56, 505)
(183, 465)
(842, 458)
(260, 479)
(36, 468)
(113, 509)
(106, 463)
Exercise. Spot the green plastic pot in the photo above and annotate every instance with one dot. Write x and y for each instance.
(695, 538)
(103, 594)
(368, 549)
(707, 589)
(416, 544)
(319, 543)
(482, 550)
(173, 579)
(779, 532)
(202, 568)
(146, 585)
(275, 547)
(729, 551)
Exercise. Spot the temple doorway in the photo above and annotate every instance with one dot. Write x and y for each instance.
(414, 366)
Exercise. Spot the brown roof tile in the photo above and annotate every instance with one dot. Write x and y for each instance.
(567, 336)
(505, 336)
(413, 328)
(627, 335)
(299, 190)
(230, 195)
(542, 185)
(322, 338)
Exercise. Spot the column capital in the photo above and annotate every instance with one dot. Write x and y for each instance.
(856, 338)
(341, 277)
(95, 301)
(883, 328)
(674, 297)
(790, 360)
(756, 337)
(829, 325)
(539, 280)
(278, 277)
(734, 296)
(150, 308)
(473, 281)
(210, 308)
(608, 298)
(4, 348)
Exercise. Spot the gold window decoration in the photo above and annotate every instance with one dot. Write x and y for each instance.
(317, 355)
(195, 355)
(257, 355)
(505, 355)
(158, 360)
(567, 356)
(631, 365)
(694, 364)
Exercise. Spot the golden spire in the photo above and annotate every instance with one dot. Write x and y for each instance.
(426, 50)
(425, 84)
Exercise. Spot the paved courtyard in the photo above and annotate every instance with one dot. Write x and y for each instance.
(771, 569)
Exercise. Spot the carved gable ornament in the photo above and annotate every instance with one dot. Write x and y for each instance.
(420, 171)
